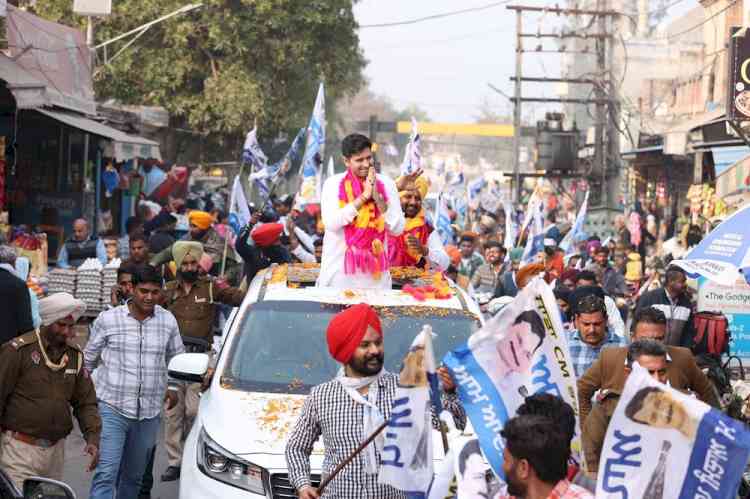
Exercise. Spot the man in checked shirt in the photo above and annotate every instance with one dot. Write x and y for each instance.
(346, 410)
(128, 353)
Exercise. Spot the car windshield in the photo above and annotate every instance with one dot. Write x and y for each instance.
(281, 345)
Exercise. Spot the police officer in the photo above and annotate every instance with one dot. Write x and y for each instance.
(194, 303)
(41, 378)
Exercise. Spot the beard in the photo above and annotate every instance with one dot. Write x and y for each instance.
(189, 276)
(516, 487)
(367, 366)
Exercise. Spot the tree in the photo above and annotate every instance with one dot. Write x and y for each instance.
(219, 68)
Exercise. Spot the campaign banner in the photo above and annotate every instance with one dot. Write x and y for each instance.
(734, 303)
(519, 352)
(662, 443)
(406, 458)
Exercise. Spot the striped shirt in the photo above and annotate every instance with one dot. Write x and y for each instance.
(330, 412)
(129, 359)
(584, 355)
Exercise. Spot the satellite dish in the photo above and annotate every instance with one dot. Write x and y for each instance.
(95, 8)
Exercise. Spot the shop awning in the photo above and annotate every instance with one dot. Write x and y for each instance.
(676, 137)
(734, 182)
(725, 157)
(125, 146)
(641, 150)
(29, 92)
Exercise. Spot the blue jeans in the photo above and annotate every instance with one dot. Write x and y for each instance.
(123, 454)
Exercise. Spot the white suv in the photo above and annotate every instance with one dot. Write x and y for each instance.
(274, 351)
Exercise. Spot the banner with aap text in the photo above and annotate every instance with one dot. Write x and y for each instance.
(662, 443)
(519, 352)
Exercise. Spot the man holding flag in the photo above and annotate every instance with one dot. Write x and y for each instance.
(360, 211)
(349, 409)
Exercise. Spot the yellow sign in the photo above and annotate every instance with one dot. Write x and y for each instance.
(477, 129)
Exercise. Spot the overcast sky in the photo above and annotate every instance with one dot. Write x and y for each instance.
(444, 65)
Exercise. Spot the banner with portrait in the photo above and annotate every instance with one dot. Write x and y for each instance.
(521, 351)
(662, 443)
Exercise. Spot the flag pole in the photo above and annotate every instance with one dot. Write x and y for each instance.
(324, 483)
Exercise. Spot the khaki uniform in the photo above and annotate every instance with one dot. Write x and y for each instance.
(213, 246)
(195, 313)
(35, 407)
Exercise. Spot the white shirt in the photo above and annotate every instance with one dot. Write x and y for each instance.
(334, 242)
(437, 255)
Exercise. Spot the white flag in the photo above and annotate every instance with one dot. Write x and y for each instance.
(412, 157)
(252, 153)
(314, 148)
(568, 243)
(406, 459)
(239, 212)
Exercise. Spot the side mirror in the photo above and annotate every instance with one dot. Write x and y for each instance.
(190, 367)
(46, 488)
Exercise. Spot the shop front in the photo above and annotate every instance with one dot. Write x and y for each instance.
(657, 179)
(65, 167)
(62, 162)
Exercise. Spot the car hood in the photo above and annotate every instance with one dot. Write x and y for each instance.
(247, 423)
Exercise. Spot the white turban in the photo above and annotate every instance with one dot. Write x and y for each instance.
(59, 306)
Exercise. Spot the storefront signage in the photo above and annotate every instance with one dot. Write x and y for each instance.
(738, 93)
(734, 302)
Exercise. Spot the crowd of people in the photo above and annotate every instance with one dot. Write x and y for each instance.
(174, 286)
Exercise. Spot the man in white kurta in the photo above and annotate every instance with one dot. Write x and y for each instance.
(358, 158)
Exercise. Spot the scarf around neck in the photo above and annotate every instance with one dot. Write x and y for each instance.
(365, 235)
(372, 417)
(399, 254)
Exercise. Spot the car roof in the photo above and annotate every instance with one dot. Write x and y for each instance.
(296, 282)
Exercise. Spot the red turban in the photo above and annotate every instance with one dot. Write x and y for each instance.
(267, 234)
(347, 328)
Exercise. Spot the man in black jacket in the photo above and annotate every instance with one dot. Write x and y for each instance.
(15, 314)
(674, 302)
(265, 248)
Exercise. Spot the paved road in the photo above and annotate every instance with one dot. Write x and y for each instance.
(77, 477)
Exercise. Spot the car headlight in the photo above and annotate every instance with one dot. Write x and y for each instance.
(220, 464)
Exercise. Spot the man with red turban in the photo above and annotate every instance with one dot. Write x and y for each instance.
(348, 409)
(360, 211)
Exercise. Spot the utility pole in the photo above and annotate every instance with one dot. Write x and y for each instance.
(613, 129)
(601, 117)
(517, 110)
(606, 144)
